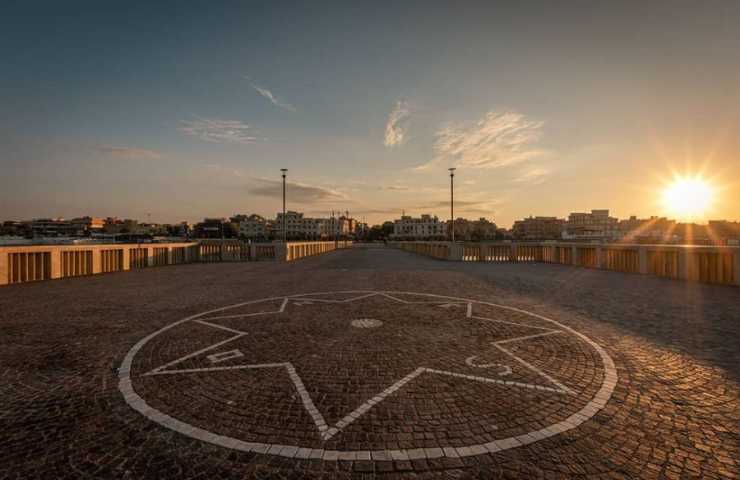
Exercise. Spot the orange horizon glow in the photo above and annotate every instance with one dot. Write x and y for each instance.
(689, 197)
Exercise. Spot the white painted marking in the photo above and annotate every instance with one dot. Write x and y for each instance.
(195, 354)
(220, 327)
(470, 310)
(591, 408)
(223, 356)
(529, 365)
(512, 323)
(362, 409)
(508, 383)
(471, 362)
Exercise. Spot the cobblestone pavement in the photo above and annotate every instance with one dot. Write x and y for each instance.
(315, 369)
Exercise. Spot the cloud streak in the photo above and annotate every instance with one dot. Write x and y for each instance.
(129, 153)
(297, 192)
(533, 175)
(266, 93)
(219, 131)
(499, 139)
(396, 127)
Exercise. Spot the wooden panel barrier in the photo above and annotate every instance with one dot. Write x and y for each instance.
(27, 263)
(719, 265)
(77, 263)
(621, 260)
(563, 255)
(28, 267)
(209, 252)
(497, 253)
(710, 267)
(111, 260)
(663, 263)
(529, 253)
(265, 252)
(587, 257)
(138, 258)
(159, 257)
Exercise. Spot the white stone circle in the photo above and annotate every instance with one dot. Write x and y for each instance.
(597, 402)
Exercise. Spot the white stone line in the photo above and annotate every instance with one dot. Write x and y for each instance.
(362, 409)
(470, 361)
(224, 356)
(220, 327)
(597, 403)
(527, 337)
(283, 305)
(324, 300)
(512, 323)
(191, 355)
(508, 383)
(306, 398)
(469, 313)
(408, 302)
(218, 369)
(242, 315)
(529, 365)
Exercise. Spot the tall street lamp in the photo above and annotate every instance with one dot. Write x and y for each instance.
(452, 203)
(285, 232)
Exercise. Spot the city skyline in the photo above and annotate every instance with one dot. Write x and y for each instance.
(544, 110)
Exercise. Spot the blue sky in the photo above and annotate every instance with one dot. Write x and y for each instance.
(189, 109)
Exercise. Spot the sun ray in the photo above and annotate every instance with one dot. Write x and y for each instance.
(688, 197)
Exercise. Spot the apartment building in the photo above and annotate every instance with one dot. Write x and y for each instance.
(594, 226)
(538, 228)
(255, 227)
(426, 227)
(481, 229)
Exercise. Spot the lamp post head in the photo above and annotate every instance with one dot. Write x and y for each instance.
(284, 170)
(452, 170)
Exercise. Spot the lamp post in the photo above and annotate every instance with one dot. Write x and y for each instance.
(285, 232)
(452, 203)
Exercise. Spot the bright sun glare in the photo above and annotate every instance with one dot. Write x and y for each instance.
(688, 198)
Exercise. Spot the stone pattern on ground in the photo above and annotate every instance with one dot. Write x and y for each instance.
(673, 414)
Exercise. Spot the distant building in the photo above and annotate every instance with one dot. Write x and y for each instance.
(538, 228)
(298, 227)
(648, 230)
(15, 229)
(115, 225)
(87, 225)
(52, 227)
(215, 228)
(361, 230)
(480, 229)
(596, 226)
(255, 227)
(727, 233)
(425, 227)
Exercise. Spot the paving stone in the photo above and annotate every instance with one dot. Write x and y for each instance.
(671, 414)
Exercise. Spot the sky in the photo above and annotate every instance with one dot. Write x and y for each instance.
(172, 111)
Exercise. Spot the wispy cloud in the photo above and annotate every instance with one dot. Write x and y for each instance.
(396, 127)
(298, 192)
(219, 131)
(534, 175)
(396, 188)
(499, 139)
(129, 153)
(270, 96)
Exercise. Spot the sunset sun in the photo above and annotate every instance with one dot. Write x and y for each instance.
(688, 197)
